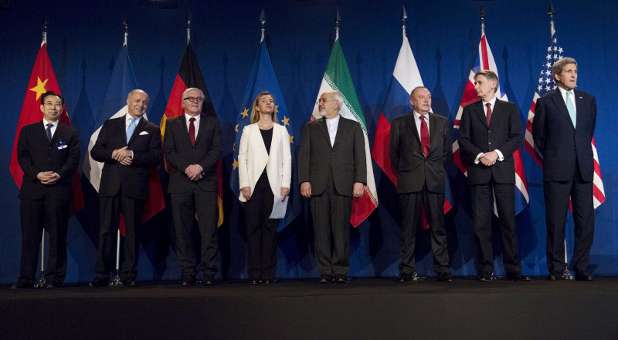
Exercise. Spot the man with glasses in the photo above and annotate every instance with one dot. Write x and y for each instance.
(129, 146)
(192, 149)
(48, 153)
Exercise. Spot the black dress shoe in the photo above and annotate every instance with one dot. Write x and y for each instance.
(22, 285)
(559, 277)
(325, 279)
(268, 281)
(583, 277)
(444, 277)
(188, 283)
(410, 277)
(517, 277)
(208, 281)
(487, 277)
(129, 283)
(253, 282)
(341, 279)
(96, 283)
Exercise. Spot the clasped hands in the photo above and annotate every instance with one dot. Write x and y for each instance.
(123, 156)
(48, 177)
(246, 192)
(489, 158)
(194, 172)
(357, 190)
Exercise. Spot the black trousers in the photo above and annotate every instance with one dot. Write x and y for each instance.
(482, 211)
(110, 208)
(411, 205)
(556, 205)
(331, 227)
(51, 213)
(261, 232)
(186, 209)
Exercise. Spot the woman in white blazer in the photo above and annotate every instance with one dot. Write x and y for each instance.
(264, 171)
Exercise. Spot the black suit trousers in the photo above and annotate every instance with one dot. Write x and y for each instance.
(51, 213)
(412, 205)
(331, 227)
(110, 208)
(261, 232)
(556, 204)
(186, 207)
(482, 211)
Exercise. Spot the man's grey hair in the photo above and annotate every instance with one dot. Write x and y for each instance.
(184, 93)
(559, 65)
(134, 91)
(337, 96)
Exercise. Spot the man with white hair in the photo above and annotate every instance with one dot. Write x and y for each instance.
(192, 149)
(331, 171)
(129, 146)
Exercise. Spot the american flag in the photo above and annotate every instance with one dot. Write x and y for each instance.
(546, 84)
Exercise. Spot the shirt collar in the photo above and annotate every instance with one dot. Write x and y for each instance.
(188, 116)
(492, 102)
(333, 120)
(128, 117)
(418, 115)
(45, 122)
(564, 91)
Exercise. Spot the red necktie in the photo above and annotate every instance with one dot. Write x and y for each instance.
(192, 130)
(424, 136)
(488, 105)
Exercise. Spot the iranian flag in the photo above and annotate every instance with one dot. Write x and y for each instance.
(337, 78)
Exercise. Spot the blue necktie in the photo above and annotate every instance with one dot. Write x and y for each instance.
(131, 128)
(48, 131)
(571, 108)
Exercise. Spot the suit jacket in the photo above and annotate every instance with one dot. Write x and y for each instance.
(36, 154)
(253, 159)
(504, 134)
(132, 180)
(344, 163)
(565, 148)
(179, 153)
(406, 153)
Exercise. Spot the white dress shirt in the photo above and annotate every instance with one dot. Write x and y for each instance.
(331, 125)
(418, 121)
(127, 120)
(196, 122)
(492, 104)
(53, 128)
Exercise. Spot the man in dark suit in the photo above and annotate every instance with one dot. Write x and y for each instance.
(129, 146)
(48, 153)
(563, 128)
(192, 148)
(419, 149)
(331, 171)
(490, 133)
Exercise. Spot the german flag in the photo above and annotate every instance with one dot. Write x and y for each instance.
(188, 76)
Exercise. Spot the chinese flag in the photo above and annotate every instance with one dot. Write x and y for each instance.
(42, 79)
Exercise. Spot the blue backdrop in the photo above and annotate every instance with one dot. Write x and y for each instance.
(84, 38)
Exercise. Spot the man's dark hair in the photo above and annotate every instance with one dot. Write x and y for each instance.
(50, 93)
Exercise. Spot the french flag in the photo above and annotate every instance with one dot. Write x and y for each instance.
(406, 76)
(486, 61)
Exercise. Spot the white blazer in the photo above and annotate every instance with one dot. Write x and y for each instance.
(253, 158)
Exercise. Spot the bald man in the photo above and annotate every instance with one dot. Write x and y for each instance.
(129, 146)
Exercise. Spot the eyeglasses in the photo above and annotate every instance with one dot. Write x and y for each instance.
(194, 99)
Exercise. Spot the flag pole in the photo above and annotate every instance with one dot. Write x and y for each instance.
(116, 282)
(482, 15)
(337, 25)
(41, 281)
(262, 26)
(188, 29)
(404, 19)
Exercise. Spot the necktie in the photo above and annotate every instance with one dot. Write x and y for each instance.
(131, 128)
(48, 131)
(571, 108)
(489, 113)
(424, 136)
(192, 130)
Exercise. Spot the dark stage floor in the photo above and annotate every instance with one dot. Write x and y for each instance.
(362, 309)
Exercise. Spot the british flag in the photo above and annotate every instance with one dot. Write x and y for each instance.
(486, 61)
(546, 84)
